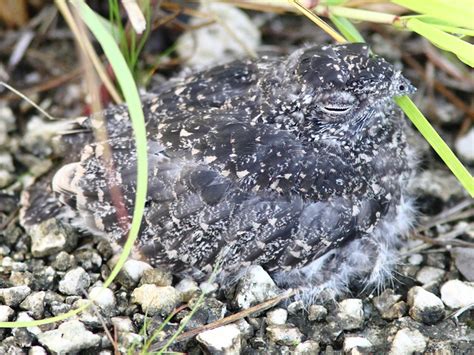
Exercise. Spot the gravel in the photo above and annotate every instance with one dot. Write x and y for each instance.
(155, 299)
(407, 342)
(425, 306)
(351, 314)
(75, 282)
(224, 340)
(457, 294)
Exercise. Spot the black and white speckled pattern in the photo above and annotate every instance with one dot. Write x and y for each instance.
(287, 163)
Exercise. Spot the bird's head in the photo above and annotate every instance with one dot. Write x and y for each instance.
(342, 83)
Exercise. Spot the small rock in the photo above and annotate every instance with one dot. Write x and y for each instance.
(309, 347)
(123, 324)
(221, 341)
(284, 334)
(105, 249)
(88, 259)
(277, 316)
(37, 350)
(75, 282)
(208, 288)
(188, 288)
(254, 287)
(246, 330)
(351, 313)
(155, 299)
(359, 343)
(407, 341)
(465, 147)
(50, 237)
(463, 258)
(13, 296)
(132, 272)
(317, 312)
(6, 169)
(34, 303)
(425, 306)
(25, 317)
(415, 259)
(457, 294)
(295, 307)
(104, 298)
(430, 275)
(63, 261)
(389, 306)
(158, 277)
(70, 337)
(6, 313)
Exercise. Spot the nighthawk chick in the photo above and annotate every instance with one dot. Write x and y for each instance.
(296, 164)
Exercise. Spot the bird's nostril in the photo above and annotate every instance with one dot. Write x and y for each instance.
(402, 87)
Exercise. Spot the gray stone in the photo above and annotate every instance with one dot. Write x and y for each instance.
(158, 277)
(155, 299)
(389, 306)
(457, 294)
(284, 334)
(277, 316)
(463, 258)
(317, 312)
(104, 298)
(34, 303)
(425, 306)
(188, 288)
(6, 313)
(429, 275)
(70, 337)
(356, 343)
(50, 237)
(407, 342)
(221, 341)
(132, 272)
(6, 169)
(37, 350)
(75, 282)
(254, 287)
(13, 296)
(123, 324)
(351, 313)
(465, 146)
(309, 347)
(63, 261)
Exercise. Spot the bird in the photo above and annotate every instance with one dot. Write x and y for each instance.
(298, 164)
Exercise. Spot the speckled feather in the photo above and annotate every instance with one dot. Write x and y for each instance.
(283, 162)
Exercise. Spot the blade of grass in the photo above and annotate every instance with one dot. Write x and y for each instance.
(132, 98)
(458, 13)
(463, 50)
(346, 28)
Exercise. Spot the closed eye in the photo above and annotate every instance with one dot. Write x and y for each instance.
(336, 109)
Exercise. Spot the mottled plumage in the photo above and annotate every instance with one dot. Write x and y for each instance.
(297, 164)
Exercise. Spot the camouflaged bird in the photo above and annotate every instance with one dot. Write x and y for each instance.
(298, 164)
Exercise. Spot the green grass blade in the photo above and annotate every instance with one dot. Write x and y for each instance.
(463, 50)
(347, 29)
(433, 138)
(455, 12)
(129, 89)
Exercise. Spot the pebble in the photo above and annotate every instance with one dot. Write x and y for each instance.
(221, 341)
(309, 347)
(254, 287)
(351, 313)
(356, 343)
(284, 334)
(6, 313)
(70, 337)
(465, 147)
(463, 258)
(188, 288)
(104, 298)
(156, 299)
(123, 324)
(277, 316)
(132, 272)
(246, 329)
(425, 306)
(13, 296)
(63, 261)
(457, 294)
(158, 277)
(34, 303)
(88, 259)
(37, 350)
(50, 237)
(429, 275)
(317, 312)
(389, 305)
(407, 342)
(6, 169)
(295, 307)
(74, 282)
